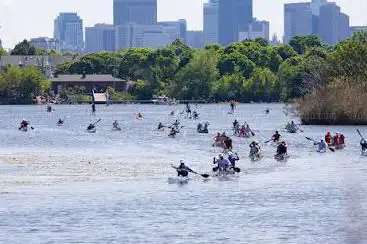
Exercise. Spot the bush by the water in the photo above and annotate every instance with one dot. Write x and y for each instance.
(337, 88)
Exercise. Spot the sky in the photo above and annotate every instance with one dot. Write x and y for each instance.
(24, 19)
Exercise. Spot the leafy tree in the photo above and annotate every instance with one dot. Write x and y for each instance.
(24, 48)
(285, 51)
(230, 87)
(195, 80)
(3, 52)
(21, 85)
(301, 43)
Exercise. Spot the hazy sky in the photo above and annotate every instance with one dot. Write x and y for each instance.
(33, 18)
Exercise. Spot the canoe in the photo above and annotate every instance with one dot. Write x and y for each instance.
(178, 180)
(255, 157)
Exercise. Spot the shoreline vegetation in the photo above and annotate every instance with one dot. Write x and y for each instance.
(328, 85)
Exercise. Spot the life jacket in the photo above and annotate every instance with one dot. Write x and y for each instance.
(328, 138)
(341, 139)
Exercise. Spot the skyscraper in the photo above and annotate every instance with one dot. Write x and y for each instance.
(101, 37)
(333, 25)
(141, 12)
(233, 14)
(257, 29)
(210, 22)
(68, 30)
(298, 20)
(179, 26)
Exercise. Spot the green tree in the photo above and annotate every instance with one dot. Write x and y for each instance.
(21, 85)
(24, 48)
(263, 85)
(301, 43)
(285, 51)
(230, 87)
(195, 80)
(3, 52)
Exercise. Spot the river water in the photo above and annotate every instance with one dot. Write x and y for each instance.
(63, 185)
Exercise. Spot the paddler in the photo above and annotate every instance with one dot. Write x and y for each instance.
(195, 115)
(222, 163)
(49, 108)
(116, 125)
(60, 122)
(281, 149)
(321, 146)
(24, 124)
(173, 132)
(364, 145)
(139, 116)
(328, 138)
(235, 123)
(232, 105)
(91, 127)
(199, 127)
(183, 170)
(276, 137)
(254, 149)
(160, 126)
(232, 158)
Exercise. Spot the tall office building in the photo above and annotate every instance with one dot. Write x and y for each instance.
(195, 39)
(210, 32)
(99, 38)
(68, 30)
(233, 14)
(298, 20)
(179, 26)
(141, 12)
(257, 29)
(333, 25)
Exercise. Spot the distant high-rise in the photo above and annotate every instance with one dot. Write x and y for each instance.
(99, 38)
(179, 26)
(211, 22)
(141, 12)
(195, 39)
(297, 20)
(233, 14)
(68, 30)
(257, 29)
(333, 25)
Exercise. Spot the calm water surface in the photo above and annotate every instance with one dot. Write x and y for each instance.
(63, 185)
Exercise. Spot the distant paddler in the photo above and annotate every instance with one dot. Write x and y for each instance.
(116, 125)
(93, 108)
(232, 107)
(24, 125)
(49, 108)
(364, 146)
(182, 169)
(60, 122)
(160, 126)
(321, 146)
(139, 115)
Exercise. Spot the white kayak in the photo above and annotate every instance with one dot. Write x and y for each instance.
(92, 130)
(178, 180)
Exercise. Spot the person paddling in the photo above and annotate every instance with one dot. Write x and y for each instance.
(183, 170)
(276, 137)
(281, 149)
(91, 127)
(116, 125)
(321, 146)
(328, 138)
(222, 162)
(232, 158)
(24, 125)
(364, 146)
(232, 106)
(173, 132)
(160, 126)
(60, 122)
(254, 149)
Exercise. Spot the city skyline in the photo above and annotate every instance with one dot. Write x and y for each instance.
(40, 22)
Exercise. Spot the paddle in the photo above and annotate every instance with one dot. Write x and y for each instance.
(97, 122)
(310, 139)
(268, 141)
(360, 134)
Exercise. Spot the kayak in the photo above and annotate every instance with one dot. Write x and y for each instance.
(292, 131)
(24, 129)
(281, 157)
(178, 180)
(321, 151)
(255, 157)
(116, 129)
(203, 131)
(339, 147)
(92, 130)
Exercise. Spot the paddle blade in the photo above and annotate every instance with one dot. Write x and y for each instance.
(215, 169)
(331, 149)
(237, 170)
(205, 175)
(309, 139)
